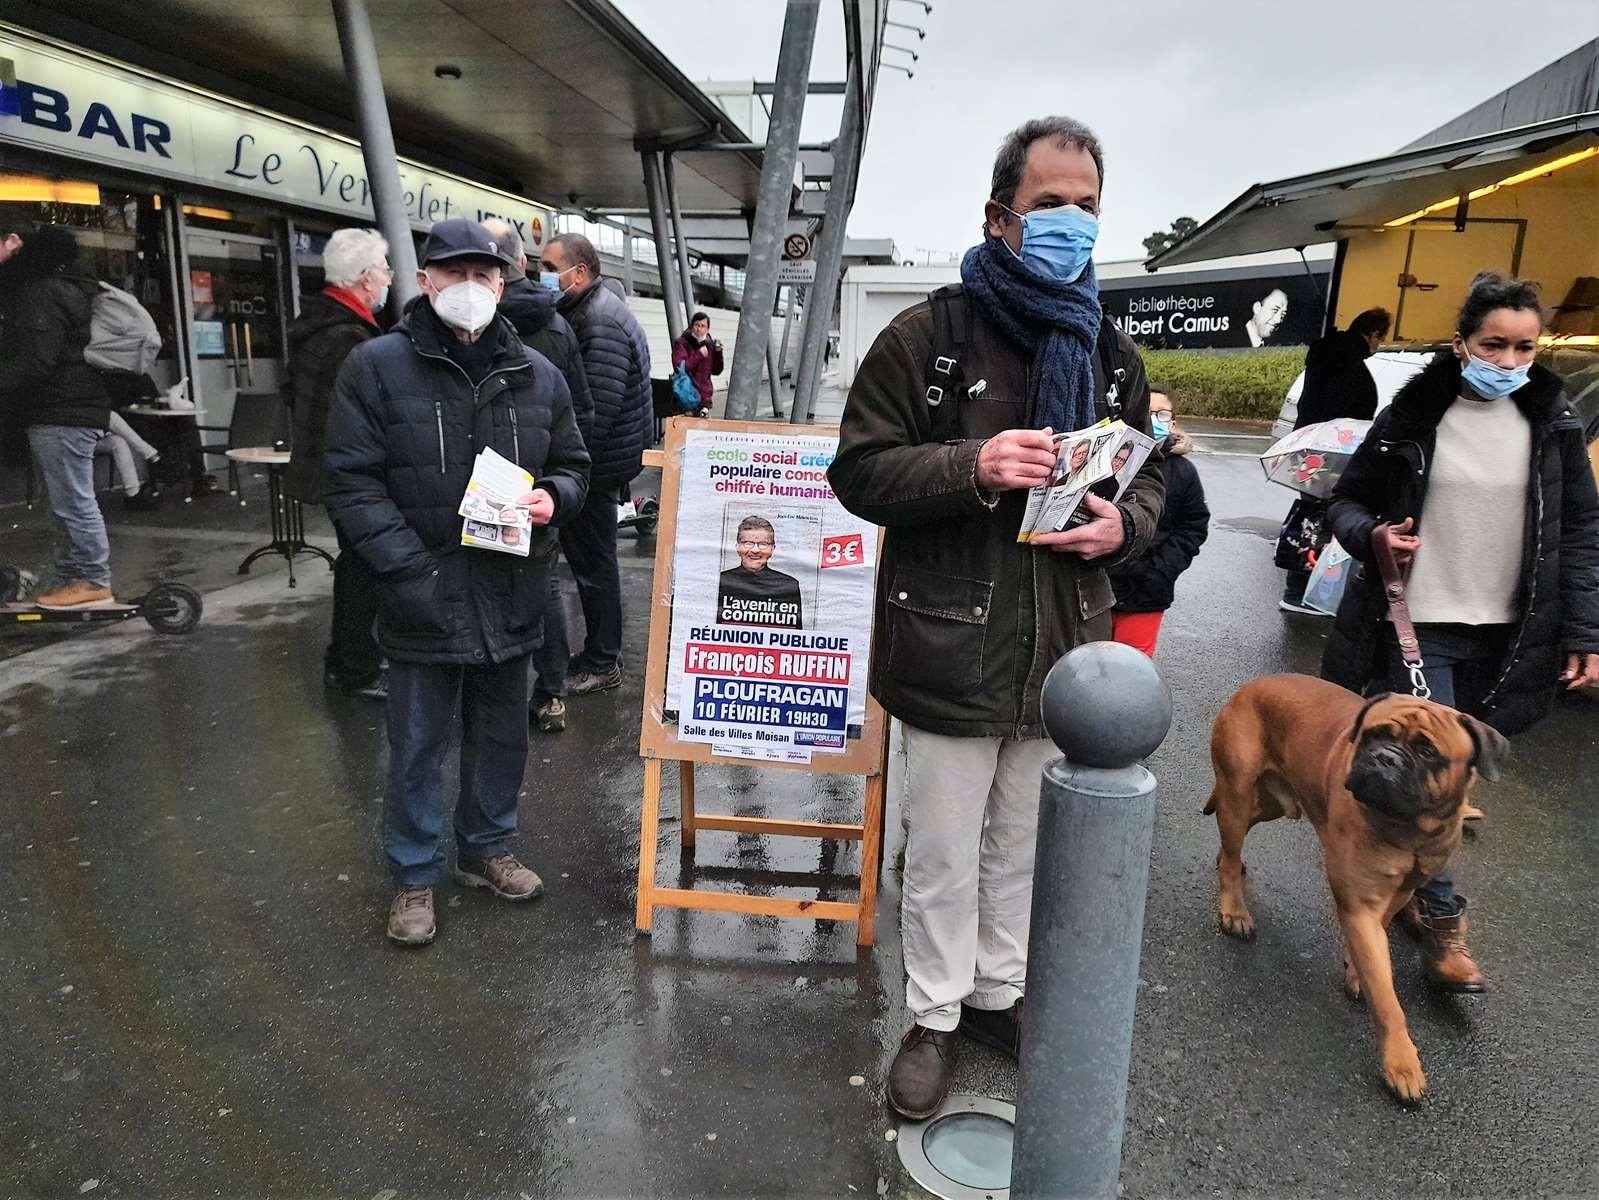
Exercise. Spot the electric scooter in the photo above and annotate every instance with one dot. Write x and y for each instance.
(168, 607)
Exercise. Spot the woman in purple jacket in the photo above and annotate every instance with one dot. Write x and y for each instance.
(700, 356)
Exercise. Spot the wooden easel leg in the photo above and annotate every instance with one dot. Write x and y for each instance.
(649, 829)
(686, 791)
(872, 851)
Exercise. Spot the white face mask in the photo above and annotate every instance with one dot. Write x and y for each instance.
(467, 306)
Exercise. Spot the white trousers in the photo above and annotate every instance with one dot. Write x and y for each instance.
(971, 817)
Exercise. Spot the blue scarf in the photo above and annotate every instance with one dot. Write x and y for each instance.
(1057, 323)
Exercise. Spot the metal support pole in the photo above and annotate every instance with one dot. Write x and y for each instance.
(654, 186)
(377, 143)
(1106, 707)
(772, 208)
(627, 261)
(676, 213)
(830, 252)
(788, 328)
(774, 385)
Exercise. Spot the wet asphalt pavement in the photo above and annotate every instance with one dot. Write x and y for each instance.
(199, 1000)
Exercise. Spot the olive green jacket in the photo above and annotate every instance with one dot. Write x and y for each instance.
(968, 620)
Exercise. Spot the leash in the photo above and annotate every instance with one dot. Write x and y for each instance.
(1393, 580)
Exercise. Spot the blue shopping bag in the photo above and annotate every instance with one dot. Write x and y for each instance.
(688, 396)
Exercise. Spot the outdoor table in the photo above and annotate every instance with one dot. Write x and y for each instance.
(151, 410)
(288, 522)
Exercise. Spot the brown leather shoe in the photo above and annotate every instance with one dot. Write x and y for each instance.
(999, 1028)
(919, 1079)
(411, 917)
(1446, 960)
(502, 875)
(80, 593)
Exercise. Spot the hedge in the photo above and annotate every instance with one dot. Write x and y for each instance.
(1247, 384)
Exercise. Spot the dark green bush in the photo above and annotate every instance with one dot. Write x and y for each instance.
(1246, 385)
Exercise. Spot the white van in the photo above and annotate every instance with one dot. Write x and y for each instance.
(1392, 369)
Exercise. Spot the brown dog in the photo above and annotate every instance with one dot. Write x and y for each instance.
(1383, 782)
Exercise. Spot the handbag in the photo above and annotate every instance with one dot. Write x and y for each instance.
(1305, 532)
(1325, 588)
(683, 388)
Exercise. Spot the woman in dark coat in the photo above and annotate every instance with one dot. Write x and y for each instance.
(1480, 468)
(701, 356)
(1145, 586)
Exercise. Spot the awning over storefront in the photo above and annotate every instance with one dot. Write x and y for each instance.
(543, 98)
(1392, 191)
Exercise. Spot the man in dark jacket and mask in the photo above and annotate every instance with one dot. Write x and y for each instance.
(940, 445)
(333, 322)
(616, 357)
(530, 308)
(412, 411)
(62, 400)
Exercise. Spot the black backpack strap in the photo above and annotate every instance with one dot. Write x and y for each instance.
(951, 334)
(1114, 369)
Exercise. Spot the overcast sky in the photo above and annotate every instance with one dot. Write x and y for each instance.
(1192, 101)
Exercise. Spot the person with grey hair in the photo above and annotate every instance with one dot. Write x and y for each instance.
(949, 423)
(616, 359)
(333, 322)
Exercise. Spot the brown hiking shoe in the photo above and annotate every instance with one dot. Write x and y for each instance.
(919, 1079)
(502, 875)
(80, 593)
(411, 917)
(1445, 958)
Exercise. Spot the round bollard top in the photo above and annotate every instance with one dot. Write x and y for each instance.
(1106, 705)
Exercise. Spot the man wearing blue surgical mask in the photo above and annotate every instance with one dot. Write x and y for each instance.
(949, 422)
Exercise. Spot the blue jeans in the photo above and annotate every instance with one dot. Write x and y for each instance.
(589, 543)
(549, 660)
(65, 454)
(1461, 665)
(423, 700)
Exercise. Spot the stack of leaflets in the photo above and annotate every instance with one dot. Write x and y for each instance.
(1101, 459)
(494, 519)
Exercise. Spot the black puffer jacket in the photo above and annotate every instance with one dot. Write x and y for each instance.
(320, 339)
(406, 425)
(530, 308)
(47, 306)
(616, 357)
(1337, 383)
(1386, 481)
(1147, 583)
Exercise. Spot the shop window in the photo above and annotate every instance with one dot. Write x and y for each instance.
(119, 239)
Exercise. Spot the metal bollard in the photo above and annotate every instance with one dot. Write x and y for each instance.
(1106, 707)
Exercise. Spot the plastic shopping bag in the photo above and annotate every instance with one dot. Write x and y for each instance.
(1327, 579)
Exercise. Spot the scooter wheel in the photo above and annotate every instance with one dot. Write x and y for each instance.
(172, 608)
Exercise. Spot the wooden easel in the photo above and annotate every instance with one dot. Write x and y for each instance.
(867, 755)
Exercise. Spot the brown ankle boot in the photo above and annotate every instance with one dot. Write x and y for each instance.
(1446, 960)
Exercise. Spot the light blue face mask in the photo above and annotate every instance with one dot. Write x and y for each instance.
(1491, 381)
(551, 280)
(1057, 242)
(383, 299)
(1159, 427)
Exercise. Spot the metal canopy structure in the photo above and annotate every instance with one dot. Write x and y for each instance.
(551, 98)
(1329, 205)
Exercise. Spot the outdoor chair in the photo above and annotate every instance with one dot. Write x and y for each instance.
(260, 418)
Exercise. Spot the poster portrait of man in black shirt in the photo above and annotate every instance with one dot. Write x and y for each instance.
(752, 593)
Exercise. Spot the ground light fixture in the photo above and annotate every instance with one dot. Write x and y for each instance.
(447, 71)
(963, 1151)
(1548, 168)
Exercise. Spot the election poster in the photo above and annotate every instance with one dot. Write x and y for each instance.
(772, 599)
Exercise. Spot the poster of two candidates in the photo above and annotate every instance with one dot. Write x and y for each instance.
(772, 596)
